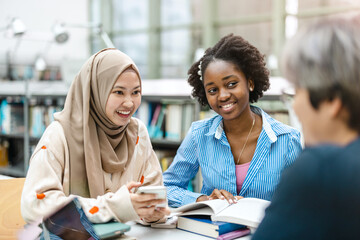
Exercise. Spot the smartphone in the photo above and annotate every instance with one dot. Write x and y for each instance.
(160, 192)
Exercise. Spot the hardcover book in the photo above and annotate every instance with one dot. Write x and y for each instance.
(203, 225)
(247, 211)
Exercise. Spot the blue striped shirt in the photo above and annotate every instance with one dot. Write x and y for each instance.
(206, 147)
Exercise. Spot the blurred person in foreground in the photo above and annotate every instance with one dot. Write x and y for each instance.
(318, 196)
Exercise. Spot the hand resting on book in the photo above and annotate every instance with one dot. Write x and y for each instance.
(219, 194)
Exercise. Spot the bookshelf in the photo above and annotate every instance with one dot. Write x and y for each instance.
(170, 99)
(22, 93)
(160, 93)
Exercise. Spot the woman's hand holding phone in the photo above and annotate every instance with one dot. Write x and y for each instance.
(149, 202)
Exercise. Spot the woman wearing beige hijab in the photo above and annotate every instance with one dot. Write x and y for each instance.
(95, 150)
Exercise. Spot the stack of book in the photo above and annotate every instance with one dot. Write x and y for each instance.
(221, 220)
(216, 229)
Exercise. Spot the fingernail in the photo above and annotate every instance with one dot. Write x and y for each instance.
(222, 197)
(231, 201)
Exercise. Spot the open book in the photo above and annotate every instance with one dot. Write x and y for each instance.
(247, 211)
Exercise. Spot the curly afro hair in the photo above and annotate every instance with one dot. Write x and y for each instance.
(240, 52)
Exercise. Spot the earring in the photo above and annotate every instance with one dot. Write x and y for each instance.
(251, 85)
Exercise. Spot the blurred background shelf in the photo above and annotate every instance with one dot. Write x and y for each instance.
(14, 171)
(165, 144)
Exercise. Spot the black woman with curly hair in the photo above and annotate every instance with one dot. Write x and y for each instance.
(242, 150)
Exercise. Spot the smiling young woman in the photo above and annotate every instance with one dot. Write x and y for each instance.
(95, 150)
(242, 150)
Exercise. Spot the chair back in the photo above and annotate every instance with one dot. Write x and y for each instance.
(11, 220)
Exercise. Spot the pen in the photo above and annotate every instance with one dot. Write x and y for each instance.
(142, 181)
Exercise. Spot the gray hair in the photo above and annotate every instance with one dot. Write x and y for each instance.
(325, 59)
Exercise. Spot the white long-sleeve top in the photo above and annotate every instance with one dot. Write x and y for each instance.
(46, 186)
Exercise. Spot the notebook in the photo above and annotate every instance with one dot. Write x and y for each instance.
(110, 229)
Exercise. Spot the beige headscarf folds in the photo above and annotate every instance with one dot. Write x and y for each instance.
(95, 143)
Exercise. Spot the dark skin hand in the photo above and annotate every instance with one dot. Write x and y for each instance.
(219, 194)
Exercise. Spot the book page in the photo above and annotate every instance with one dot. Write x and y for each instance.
(210, 207)
(247, 211)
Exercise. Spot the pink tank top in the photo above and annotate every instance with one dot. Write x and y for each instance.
(240, 171)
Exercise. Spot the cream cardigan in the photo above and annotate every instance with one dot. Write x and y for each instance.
(47, 181)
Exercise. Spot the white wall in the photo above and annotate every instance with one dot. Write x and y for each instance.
(39, 17)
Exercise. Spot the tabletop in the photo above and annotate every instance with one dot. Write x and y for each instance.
(147, 233)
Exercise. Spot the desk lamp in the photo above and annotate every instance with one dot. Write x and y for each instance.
(61, 35)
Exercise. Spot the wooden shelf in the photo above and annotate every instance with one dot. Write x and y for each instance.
(14, 171)
(13, 136)
(152, 88)
(165, 143)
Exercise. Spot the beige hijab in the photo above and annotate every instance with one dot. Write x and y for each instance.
(95, 143)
